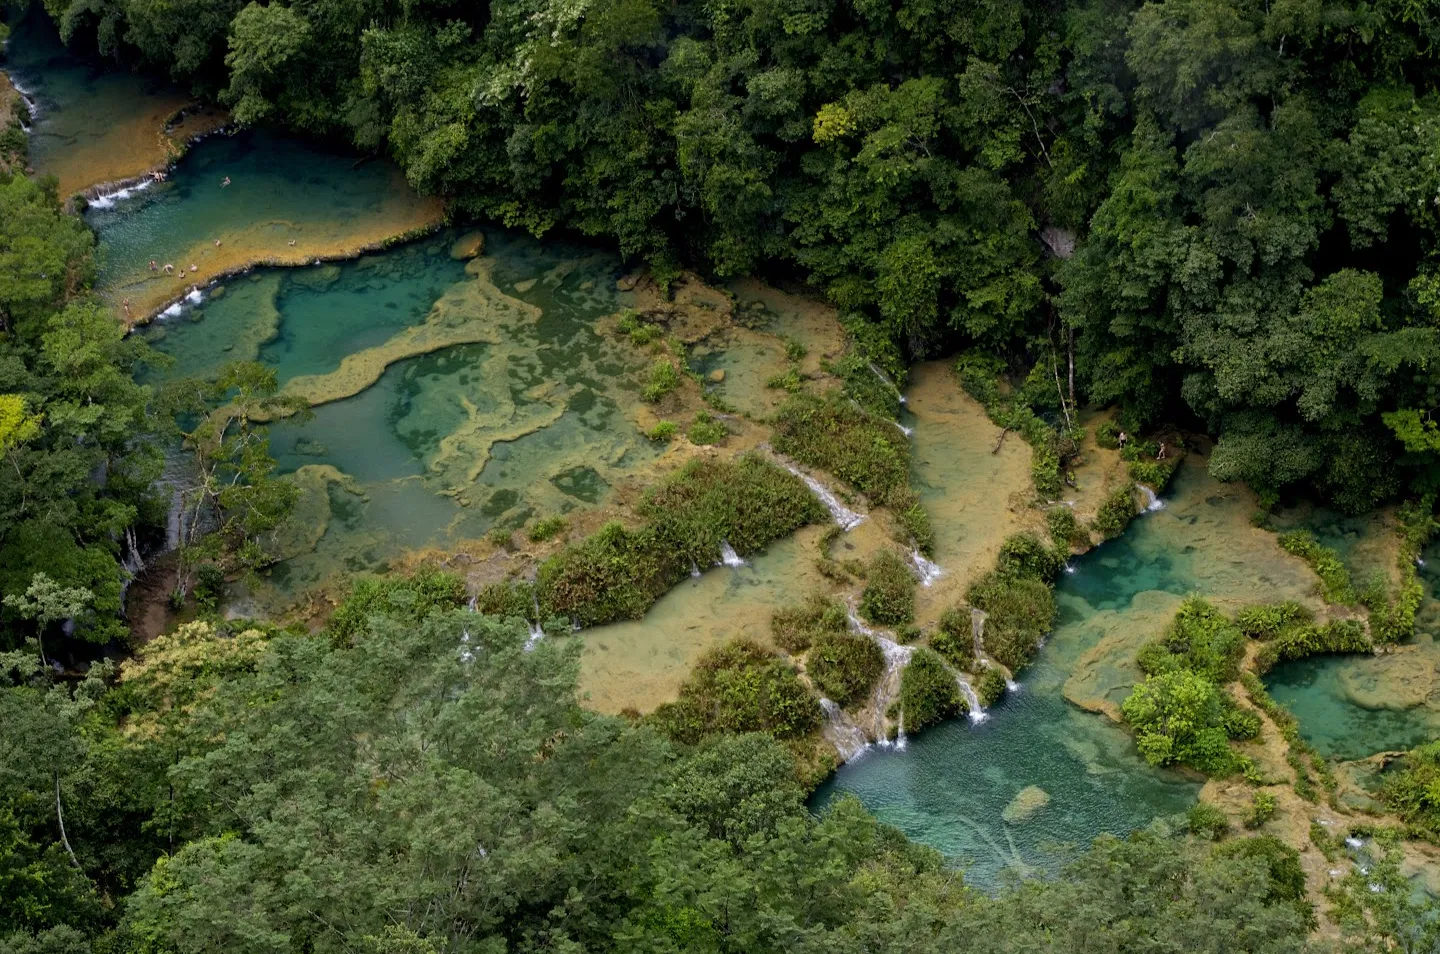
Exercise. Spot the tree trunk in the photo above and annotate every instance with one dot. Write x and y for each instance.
(60, 817)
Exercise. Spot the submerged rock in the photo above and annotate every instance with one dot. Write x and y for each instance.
(468, 246)
(1025, 805)
(717, 375)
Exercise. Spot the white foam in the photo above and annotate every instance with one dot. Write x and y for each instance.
(537, 633)
(174, 311)
(728, 556)
(847, 737)
(107, 200)
(843, 515)
(195, 296)
(929, 570)
(1152, 502)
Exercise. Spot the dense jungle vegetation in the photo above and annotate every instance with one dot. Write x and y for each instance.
(247, 789)
(1210, 213)
(1228, 206)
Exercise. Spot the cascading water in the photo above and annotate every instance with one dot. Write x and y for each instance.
(977, 631)
(728, 556)
(694, 570)
(928, 569)
(847, 737)
(886, 378)
(107, 200)
(537, 633)
(977, 712)
(887, 690)
(1152, 502)
(843, 515)
(907, 431)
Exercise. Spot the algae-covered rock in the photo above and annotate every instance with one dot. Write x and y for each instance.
(468, 246)
(318, 278)
(1025, 805)
(717, 375)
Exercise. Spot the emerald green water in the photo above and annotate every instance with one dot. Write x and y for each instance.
(950, 785)
(1350, 707)
(280, 190)
(445, 445)
(91, 124)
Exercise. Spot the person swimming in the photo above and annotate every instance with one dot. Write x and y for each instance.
(153, 266)
(169, 268)
(224, 182)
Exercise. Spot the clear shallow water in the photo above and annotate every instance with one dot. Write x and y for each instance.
(1350, 707)
(950, 786)
(92, 125)
(445, 444)
(280, 190)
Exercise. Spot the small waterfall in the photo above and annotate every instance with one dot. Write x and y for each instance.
(466, 655)
(897, 657)
(694, 570)
(132, 562)
(929, 571)
(1069, 567)
(107, 200)
(900, 740)
(888, 383)
(195, 296)
(474, 604)
(843, 515)
(1011, 685)
(977, 631)
(847, 737)
(907, 431)
(728, 556)
(537, 633)
(977, 713)
(1152, 502)
(174, 311)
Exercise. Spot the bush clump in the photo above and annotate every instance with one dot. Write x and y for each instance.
(834, 435)
(889, 595)
(706, 430)
(619, 571)
(1116, 512)
(1019, 612)
(954, 639)
(1207, 821)
(739, 687)
(1267, 621)
(1413, 792)
(796, 627)
(1181, 712)
(1262, 809)
(844, 666)
(1065, 531)
(1335, 583)
(991, 688)
(400, 597)
(928, 691)
(1200, 638)
(1180, 716)
(663, 431)
(662, 380)
(912, 520)
(547, 527)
